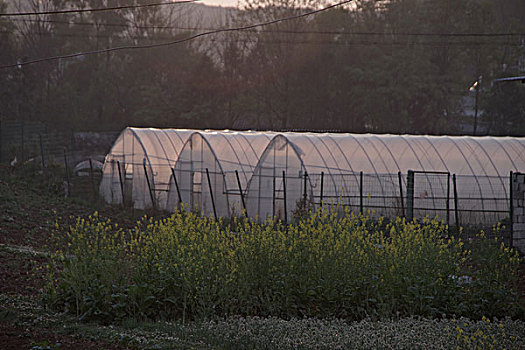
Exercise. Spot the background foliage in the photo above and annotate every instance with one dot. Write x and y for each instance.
(377, 79)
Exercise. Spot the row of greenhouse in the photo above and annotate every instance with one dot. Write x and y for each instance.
(222, 173)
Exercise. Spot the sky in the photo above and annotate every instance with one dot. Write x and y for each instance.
(222, 3)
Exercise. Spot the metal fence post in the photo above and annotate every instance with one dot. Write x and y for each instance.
(511, 209)
(456, 213)
(284, 195)
(410, 195)
(304, 187)
(176, 186)
(42, 152)
(361, 192)
(241, 193)
(401, 193)
(322, 183)
(149, 184)
(121, 182)
(22, 142)
(1, 142)
(211, 194)
(273, 194)
(448, 199)
(67, 173)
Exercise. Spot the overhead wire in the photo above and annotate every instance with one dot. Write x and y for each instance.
(289, 42)
(100, 9)
(327, 32)
(174, 42)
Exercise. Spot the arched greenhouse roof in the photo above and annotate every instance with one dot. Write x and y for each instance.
(371, 153)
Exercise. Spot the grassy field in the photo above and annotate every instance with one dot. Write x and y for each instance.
(184, 282)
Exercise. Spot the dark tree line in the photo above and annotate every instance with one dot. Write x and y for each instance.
(372, 66)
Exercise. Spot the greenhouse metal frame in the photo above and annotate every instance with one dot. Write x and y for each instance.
(265, 174)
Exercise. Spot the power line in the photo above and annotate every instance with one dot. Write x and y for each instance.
(61, 12)
(325, 32)
(135, 47)
(288, 42)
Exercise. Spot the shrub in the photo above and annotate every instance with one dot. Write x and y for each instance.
(187, 266)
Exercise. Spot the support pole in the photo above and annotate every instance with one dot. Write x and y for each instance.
(67, 174)
(448, 199)
(176, 186)
(401, 193)
(42, 151)
(241, 192)
(284, 193)
(304, 188)
(273, 197)
(91, 175)
(211, 194)
(322, 184)
(410, 195)
(149, 184)
(456, 213)
(511, 209)
(361, 192)
(121, 181)
(22, 143)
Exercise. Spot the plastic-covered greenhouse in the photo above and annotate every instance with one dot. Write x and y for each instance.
(220, 173)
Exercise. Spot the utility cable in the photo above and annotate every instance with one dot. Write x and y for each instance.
(169, 43)
(325, 32)
(61, 12)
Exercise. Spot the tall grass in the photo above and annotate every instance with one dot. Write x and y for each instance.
(187, 266)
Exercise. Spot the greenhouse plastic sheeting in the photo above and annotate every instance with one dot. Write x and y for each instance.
(357, 170)
(139, 152)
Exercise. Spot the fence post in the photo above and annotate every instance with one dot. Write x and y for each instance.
(211, 194)
(448, 199)
(91, 175)
(176, 186)
(322, 184)
(22, 142)
(284, 195)
(42, 151)
(149, 184)
(273, 195)
(511, 209)
(67, 173)
(456, 213)
(410, 195)
(304, 187)
(401, 193)
(1, 141)
(361, 192)
(240, 191)
(121, 182)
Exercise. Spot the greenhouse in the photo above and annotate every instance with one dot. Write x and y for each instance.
(137, 157)
(220, 173)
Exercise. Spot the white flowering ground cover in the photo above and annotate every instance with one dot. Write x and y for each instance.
(274, 333)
